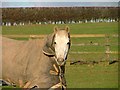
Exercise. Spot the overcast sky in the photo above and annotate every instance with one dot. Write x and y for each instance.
(60, 0)
(60, 3)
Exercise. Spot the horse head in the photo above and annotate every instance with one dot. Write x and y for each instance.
(58, 44)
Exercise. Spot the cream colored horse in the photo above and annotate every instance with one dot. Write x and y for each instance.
(37, 63)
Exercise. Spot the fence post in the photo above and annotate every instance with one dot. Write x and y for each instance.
(107, 52)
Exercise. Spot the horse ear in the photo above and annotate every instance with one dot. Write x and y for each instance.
(55, 29)
(67, 29)
(48, 48)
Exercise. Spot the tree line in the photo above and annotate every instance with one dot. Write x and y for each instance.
(58, 14)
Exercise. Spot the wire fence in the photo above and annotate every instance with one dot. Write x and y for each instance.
(87, 48)
(103, 50)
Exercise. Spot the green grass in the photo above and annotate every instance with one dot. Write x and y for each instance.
(87, 48)
(92, 48)
(87, 40)
(85, 28)
(95, 28)
(8, 87)
(97, 76)
(91, 57)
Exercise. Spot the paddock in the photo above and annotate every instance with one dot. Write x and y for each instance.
(93, 45)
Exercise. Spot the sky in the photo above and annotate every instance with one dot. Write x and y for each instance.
(56, 3)
(60, 0)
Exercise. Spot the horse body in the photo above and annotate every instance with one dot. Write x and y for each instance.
(28, 63)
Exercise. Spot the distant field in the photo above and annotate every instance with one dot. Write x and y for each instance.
(84, 28)
(82, 76)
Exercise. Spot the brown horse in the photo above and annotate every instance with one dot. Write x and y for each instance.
(37, 63)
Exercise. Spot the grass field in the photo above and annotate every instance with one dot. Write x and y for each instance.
(85, 28)
(97, 76)
(86, 75)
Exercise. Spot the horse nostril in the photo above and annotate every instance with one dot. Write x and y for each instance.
(60, 59)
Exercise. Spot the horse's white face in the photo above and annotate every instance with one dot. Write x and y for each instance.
(61, 44)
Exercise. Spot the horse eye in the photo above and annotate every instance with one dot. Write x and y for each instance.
(54, 42)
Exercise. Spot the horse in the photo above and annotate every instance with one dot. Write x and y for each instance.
(37, 63)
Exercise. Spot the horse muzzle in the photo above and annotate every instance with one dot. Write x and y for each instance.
(61, 61)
